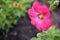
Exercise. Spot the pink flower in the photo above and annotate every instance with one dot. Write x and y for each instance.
(40, 16)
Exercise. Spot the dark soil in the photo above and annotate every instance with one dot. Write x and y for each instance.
(23, 30)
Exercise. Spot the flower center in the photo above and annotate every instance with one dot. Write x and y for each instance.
(41, 16)
(15, 4)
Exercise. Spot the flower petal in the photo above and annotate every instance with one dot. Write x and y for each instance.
(45, 11)
(32, 13)
(46, 24)
(36, 6)
(34, 21)
(39, 25)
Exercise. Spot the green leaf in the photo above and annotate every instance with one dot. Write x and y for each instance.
(34, 38)
(53, 4)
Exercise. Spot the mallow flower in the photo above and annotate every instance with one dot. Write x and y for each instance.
(40, 16)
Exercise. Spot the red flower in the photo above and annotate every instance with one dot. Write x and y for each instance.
(40, 16)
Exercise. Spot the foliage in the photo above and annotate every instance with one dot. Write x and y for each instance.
(51, 34)
(11, 10)
(53, 4)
